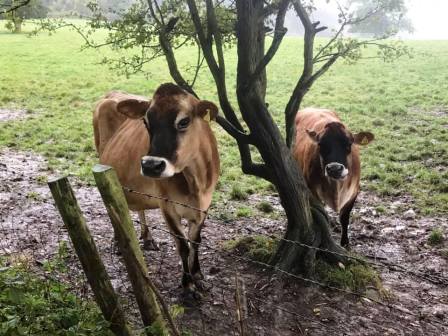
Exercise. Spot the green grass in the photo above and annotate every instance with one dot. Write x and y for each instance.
(41, 305)
(265, 207)
(404, 103)
(436, 237)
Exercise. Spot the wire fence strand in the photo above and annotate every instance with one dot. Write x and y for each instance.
(304, 279)
(433, 278)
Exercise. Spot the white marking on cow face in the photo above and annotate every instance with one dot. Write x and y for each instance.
(157, 167)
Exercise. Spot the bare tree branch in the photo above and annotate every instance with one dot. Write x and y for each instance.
(334, 49)
(217, 67)
(167, 48)
(345, 21)
(217, 70)
(10, 7)
(214, 30)
(199, 63)
(300, 89)
(160, 13)
(153, 13)
(233, 131)
(279, 33)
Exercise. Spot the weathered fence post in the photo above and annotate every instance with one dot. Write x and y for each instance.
(117, 208)
(88, 254)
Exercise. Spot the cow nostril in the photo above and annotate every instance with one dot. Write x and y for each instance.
(154, 166)
(159, 166)
(334, 169)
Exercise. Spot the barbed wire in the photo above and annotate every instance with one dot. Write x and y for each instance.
(433, 278)
(61, 234)
(162, 198)
(304, 279)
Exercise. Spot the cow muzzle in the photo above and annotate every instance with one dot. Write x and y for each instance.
(157, 167)
(336, 171)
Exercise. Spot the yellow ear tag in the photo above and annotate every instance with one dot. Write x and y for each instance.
(364, 141)
(207, 116)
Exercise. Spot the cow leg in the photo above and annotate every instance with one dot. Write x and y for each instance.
(173, 221)
(194, 234)
(145, 234)
(344, 218)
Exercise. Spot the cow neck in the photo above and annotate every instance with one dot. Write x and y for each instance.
(194, 178)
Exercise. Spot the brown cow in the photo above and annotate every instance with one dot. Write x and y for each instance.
(163, 147)
(328, 154)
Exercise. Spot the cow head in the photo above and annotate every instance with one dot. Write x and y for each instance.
(335, 145)
(174, 119)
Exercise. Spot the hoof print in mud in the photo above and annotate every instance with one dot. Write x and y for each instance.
(191, 298)
(150, 245)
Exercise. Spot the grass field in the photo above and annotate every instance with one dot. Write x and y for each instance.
(404, 103)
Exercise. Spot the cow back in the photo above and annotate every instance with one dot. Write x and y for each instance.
(106, 119)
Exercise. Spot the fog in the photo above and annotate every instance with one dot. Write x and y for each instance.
(429, 18)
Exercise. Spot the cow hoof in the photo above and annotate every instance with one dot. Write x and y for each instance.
(198, 276)
(201, 285)
(150, 245)
(191, 297)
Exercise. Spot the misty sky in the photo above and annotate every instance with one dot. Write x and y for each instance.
(429, 18)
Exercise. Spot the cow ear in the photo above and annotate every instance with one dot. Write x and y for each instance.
(363, 138)
(133, 108)
(313, 135)
(207, 110)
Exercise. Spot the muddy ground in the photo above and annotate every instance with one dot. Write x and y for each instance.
(30, 226)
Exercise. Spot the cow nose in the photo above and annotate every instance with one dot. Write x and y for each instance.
(335, 170)
(153, 167)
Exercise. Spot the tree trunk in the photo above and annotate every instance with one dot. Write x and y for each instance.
(307, 221)
(17, 21)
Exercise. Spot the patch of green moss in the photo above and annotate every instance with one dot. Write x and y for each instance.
(256, 247)
(355, 277)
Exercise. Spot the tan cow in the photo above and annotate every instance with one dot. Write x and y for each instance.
(328, 154)
(164, 147)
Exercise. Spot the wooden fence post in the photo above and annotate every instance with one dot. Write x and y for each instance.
(117, 208)
(87, 252)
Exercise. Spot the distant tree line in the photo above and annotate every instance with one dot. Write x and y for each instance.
(80, 8)
(17, 11)
(389, 18)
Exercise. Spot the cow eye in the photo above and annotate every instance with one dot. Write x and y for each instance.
(183, 123)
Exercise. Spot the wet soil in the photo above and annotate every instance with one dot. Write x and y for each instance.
(276, 305)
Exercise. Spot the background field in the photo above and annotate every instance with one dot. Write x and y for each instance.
(51, 86)
(404, 103)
